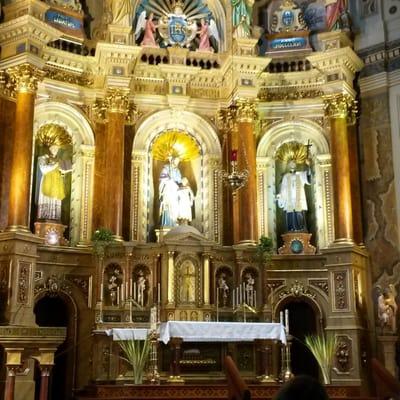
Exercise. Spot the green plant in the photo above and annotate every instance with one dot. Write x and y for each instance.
(101, 238)
(265, 248)
(323, 349)
(137, 355)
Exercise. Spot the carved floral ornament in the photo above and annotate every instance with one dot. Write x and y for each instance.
(116, 101)
(341, 106)
(24, 78)
(241, 110)
(297, 290)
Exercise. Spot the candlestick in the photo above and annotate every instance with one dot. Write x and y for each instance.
(122, 293)
(101, 292)
(233, 299)
(118, 294)
(130, 311)
(240, 294)
(130, 287)
(287, 321)
(255, 299)
(134, 291)
(159, 293)
(281, 317)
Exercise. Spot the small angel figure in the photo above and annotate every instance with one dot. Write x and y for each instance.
(147, 26)
(387, 308)
(224, 288)
(209, 36)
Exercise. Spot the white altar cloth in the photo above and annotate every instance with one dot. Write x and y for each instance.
(128, 334)
(191, 331)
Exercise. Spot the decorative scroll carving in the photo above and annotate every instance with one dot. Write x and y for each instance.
(23, 282)
(297, 290)
(281, 94)
(320, 284)
(343, 358)
(341, 106)
(53, 285)
(83, 79)
(80, 281)
(341, 290)
(246, 111)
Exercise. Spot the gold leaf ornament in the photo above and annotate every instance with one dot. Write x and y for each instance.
(292, 151)
(175, 144)
(53, 135)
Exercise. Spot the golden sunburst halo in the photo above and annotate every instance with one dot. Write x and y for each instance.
(53, 134)
(292, 151)
(175, 143)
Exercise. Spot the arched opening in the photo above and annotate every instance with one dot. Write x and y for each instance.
(57, 311)
(302, 322)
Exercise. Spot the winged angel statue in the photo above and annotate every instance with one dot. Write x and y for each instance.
(178, 24)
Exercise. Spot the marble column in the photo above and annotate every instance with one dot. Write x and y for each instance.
(246, 115)
(26, 79)
(10, 382)
(116, 109)
(45, 371)
(341, 111)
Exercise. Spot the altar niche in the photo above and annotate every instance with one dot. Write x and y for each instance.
(51, 202)
(175, 194)
(293, 167)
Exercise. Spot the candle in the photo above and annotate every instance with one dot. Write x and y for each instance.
(118, 296)
(130, 311)
(134, 291)
(281, 317)
(237, 297)
(244, 293)
(234, 154)
(159, 293)
(255, 299)
(130, 288)
(287, 320)
(101, 292)
(240, 295)
(233, 299)
(122, 293)
(126, 290)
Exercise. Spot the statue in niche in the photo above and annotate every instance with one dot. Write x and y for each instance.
(170, 181)
(223, 290)
(242, 16)
(188, 282)
(337, 16)
(292, 197)
(387, 308)
(185, 201)
(113, 285)
(122, 12)
(141, 283)
(53, 166)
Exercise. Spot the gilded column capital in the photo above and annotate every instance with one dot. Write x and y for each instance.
(246, 111)
(24, 78)
(341, 106)
(116, 101)
(226, 119)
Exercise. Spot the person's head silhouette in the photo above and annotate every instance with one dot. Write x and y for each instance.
(302, 387)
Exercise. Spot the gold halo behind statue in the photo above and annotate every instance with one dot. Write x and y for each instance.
(175, 144)
(292, 151)
(53, 134)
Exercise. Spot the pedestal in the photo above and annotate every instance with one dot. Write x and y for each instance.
(245, 46)
(51, 232)
(297, 243)
(160, 233)
(387, 349)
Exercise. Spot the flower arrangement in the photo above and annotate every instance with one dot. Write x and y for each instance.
(323, 349)
(265, 249)
(137, 355)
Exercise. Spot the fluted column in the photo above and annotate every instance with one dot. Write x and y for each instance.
(246, 115)
(341, 110)
(25, 79)
(116, 110)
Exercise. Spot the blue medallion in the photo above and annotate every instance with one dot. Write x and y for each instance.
(177, 29)
(287, 18)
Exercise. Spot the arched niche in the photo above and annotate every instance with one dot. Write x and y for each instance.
(219, 9)
(81, 132)
(209, 188)
(300, 131)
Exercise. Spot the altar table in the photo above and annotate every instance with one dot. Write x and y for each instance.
(193, 331)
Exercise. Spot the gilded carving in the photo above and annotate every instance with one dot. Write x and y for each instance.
(116, 101)
(25, 78)
(83, 79)
(282, 94)
(81, 281)
(297, 290)
(23, 282)
(341, 106)
(246, 111)
(341, 290)
(321, 284)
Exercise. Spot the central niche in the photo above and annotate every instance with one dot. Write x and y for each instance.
(176, 189)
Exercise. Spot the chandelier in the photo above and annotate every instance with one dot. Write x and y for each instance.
(234, 178)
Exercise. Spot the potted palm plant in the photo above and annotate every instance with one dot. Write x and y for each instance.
(323, 349)
(137, 355)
